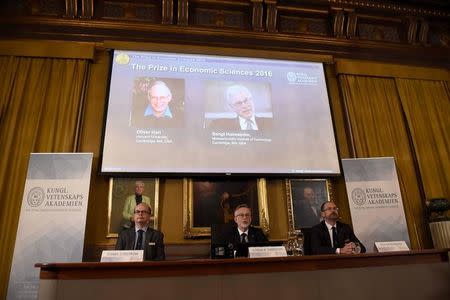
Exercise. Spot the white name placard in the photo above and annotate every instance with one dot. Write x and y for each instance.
(269, 251)
(122, 255)
(391, 246)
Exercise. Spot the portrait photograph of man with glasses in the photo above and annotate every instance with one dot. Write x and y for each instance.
(245, 106)
(158, 103)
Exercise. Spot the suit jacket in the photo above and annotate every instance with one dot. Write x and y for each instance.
(233, 124)
(153, 245)
(255, 235)
(321, 242)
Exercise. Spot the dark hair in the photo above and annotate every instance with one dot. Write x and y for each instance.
(323, 205)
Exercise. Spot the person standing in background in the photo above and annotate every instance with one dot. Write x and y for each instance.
(130, 203)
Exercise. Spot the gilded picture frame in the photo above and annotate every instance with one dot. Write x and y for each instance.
(122, 188)
(207, 202)
(304, 197)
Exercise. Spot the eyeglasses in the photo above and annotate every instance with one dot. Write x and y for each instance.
(243, 215)
(141, 212)
(240, 103)
(160, 99)
(331, 208)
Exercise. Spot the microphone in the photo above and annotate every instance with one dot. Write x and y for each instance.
(231, 253)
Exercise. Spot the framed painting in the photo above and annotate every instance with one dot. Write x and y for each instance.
(122, 199)
(304, 197)
(208, 202)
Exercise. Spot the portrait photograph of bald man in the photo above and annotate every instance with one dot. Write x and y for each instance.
(158, 103)
(236, 106)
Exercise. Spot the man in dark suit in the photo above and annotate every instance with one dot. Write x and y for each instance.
(141, 236)
(333, 237)
(240, 101)
(244, 232)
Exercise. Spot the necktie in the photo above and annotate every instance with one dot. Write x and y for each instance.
(249, 124)
(335, 239)
(139, 240)
(138, 199)
(244, 238)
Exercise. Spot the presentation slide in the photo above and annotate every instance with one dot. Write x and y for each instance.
(207, 114)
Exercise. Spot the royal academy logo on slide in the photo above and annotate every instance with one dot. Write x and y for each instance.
(122, 59)
(35, 197)
(302, 78)
(358, 196)
(291, 77)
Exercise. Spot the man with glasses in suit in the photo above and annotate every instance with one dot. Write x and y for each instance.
(240, 101)
(332, 236)
(141, 236)
(244, 232)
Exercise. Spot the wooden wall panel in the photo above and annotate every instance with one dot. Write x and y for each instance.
(415, 33)
(221, 14)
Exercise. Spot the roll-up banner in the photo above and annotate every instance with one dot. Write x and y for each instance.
(52, 217)
(375, 200)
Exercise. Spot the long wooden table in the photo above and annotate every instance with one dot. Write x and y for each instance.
(400, 275)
